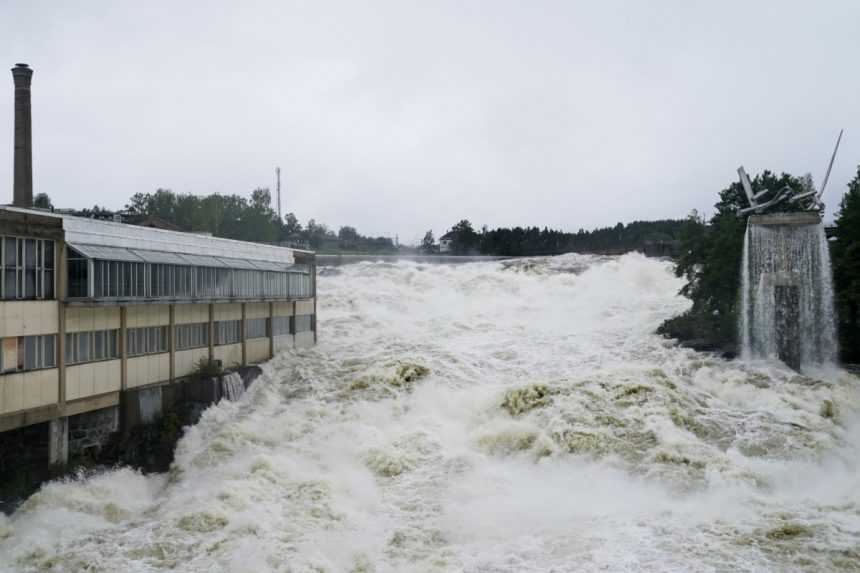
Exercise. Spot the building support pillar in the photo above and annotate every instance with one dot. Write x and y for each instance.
(60, 288)
(244, 334)
(123, 348)
(211, 332)
(293, 323)
(171, 341)
(314, 293)
(271, 330)
(58, 442)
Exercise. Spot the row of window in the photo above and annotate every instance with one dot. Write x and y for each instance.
(192, 335)
(146, 340)
(257, 328)
(114, 279)
(92, 346)
(27, 268)
(35, 352)
(28, 353)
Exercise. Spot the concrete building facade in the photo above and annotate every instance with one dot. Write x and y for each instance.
(90, 310)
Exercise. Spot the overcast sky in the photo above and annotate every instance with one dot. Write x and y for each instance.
(398, 117)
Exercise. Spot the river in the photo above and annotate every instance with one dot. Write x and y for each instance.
(484, 417)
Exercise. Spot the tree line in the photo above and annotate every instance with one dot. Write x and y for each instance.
(235, 217)
(654, 237)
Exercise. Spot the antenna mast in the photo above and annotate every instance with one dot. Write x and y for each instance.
(278, 175)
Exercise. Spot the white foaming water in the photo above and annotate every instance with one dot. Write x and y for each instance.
(797, 258)
(232, 387)
(486, 417)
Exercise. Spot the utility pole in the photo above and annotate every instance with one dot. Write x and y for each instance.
(278, 175)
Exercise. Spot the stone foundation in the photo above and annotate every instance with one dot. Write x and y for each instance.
(93, 430)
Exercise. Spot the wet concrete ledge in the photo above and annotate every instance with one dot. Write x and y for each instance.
(787, 219)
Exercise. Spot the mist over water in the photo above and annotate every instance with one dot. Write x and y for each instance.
(485, 417)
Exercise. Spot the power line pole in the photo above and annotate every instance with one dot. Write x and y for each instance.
(278, 175)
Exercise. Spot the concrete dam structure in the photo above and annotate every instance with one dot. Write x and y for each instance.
(787, 291)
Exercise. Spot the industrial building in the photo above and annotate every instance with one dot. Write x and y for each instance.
(97, 317)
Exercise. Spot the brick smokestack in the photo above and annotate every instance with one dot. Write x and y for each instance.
(23, 170)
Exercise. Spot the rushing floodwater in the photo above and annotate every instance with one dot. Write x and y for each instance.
(550, 431)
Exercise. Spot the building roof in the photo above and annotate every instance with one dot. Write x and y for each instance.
(120, 241)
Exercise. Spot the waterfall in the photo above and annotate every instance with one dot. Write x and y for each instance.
(787, 295)
(149, 404)
(232, 386)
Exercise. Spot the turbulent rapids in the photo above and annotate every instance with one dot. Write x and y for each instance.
(484, 417)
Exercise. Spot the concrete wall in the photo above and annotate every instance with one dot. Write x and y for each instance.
(148, 369)
(191, 313)
(230, 311)
(283, 309)
(26, 390)
(284, 342)
(257, 310)
(305, 306)
(257, 350)
(148, 315)
(186, 360)
(229, 354)
(93, 378)
(27, 318)
(305, 339)
(79, 319)
(30, 390)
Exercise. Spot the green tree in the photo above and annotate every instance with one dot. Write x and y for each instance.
(465, 240)
(42, 201)
(428, 244)
(291, 227)
(846, 271)
(348, 237)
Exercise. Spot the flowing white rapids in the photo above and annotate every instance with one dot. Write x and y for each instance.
(486, 417)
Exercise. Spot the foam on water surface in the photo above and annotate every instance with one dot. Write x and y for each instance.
(484, 417)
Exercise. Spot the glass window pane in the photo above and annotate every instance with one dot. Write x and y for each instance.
(84, 347)
(49, 254)
(11, 252)
(30, 354)
(48, 355)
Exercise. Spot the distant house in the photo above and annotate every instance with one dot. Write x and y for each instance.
(446, 243)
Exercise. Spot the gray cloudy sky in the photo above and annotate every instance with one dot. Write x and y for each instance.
(401, 116)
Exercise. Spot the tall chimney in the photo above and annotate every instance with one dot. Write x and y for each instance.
(23, 170)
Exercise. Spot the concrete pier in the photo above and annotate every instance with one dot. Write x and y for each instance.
(58, 442)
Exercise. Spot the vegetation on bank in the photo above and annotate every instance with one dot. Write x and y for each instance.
(845, 251)
(659, 237)
(235, 217)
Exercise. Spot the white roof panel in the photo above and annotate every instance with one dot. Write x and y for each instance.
(203, 261)
(108, 253)
(160, 257)
(80, 230)
(267, 266)
(238, 264)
